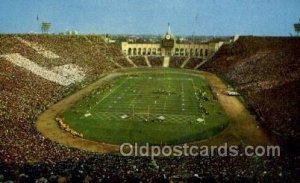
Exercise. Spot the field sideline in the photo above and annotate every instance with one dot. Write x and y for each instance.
(235, 133)
(130, 109)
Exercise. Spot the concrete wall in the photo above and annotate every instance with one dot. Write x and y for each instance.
(201, 50)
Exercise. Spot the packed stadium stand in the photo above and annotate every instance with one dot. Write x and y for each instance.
(176, 62)
(139, 61)
(156, 61)
(264, 70)
(71, 49)
(193, 62)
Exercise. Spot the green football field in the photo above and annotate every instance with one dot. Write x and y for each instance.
(159, 107)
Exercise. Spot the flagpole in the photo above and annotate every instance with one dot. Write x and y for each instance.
(38, 22)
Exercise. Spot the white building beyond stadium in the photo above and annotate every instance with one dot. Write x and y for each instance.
(169, 47)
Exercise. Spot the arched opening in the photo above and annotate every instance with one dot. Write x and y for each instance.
(206, 52)
(191, 52)
(196, 52)
(154, 51)
(181, 51)
(149, 51)
(134, 51)
(129, 51)
(139, 51)
(186, 52)
(158, 51)
(144, 51)
(176, 51)
(201, 52)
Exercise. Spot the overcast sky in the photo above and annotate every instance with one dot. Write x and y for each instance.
(187, 17)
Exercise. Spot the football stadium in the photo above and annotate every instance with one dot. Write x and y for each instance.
(81, 105)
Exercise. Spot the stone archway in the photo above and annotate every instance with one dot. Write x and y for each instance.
(191, 52)
(176, 51)
(196, 52)
(149, 51)
(186, 52)
(181, 52)
(144, 51)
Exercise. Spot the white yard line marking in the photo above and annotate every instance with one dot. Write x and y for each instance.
(182, 95)
(195, 91)
(165, 102)
(133, 100)
(136, 100)
(107, 95)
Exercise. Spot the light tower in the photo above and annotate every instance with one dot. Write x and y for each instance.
(297, 28)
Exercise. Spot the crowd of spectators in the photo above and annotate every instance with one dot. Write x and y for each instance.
(266, 70)
(92, 54)
(139, 61)
(23, 95)
(176, 62)
(116, 168)
(26, 156)
(156, 61)
(193, 62)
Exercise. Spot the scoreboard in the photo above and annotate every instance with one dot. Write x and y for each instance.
(297, 27)
(167, 43)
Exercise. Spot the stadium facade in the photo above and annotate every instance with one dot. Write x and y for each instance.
(168, 46)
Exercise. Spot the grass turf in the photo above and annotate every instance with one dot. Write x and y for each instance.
(141, 99)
